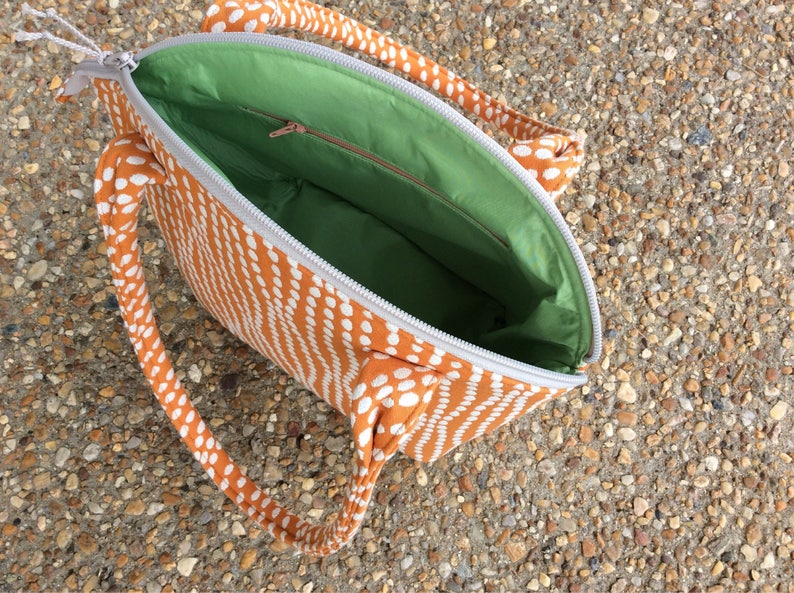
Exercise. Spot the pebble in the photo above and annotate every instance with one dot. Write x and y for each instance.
(86, 543)
(691, 385)
(238, 529)
(515, 551)
(37, 271)
(619, 586)
(627, 434)
(700, 137)
(247, 559)
(509, 521)
(779, 410)
(749, 552)
(135, 507)
(753, 534)
(186, 565)
(640, 506)
(63, 538)
(194, 373)
(627, 393)
(91, 584)
(62, 456)
(728, 342)
(768, 561)
(337, 444)
(92, 452)
(717, 568)
(547, 468)
(673, 337)
(626, 418)
(567, 524)
(444, 570)
(650, 15)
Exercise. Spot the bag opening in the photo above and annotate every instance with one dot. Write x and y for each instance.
(382, 187)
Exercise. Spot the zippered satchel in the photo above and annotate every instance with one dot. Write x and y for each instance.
(350, 226)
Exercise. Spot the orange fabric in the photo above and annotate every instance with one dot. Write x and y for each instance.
(550, 154)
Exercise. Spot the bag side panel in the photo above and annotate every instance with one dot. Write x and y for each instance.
(470, 405)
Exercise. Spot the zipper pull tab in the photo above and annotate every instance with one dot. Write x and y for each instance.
(120, 60)
(288, 129)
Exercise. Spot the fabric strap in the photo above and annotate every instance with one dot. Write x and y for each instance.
(551, 154)
(388, 399)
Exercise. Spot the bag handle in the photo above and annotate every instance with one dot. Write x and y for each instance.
(389, 398)
(550, 154)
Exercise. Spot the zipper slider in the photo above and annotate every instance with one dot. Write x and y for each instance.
(288, 129)
(120, 60)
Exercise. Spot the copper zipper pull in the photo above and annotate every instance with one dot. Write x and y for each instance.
(288, 129)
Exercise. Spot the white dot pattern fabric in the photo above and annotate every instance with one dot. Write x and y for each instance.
(399, 392)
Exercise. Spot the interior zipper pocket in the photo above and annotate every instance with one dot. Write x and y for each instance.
(293, 127)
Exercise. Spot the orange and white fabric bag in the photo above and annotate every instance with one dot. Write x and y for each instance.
(350, 226)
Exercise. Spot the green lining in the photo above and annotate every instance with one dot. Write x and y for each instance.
(475, 256)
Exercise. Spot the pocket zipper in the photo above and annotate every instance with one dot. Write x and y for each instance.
(288, 129)
(293, 127)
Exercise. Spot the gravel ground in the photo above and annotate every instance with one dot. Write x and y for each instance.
(670, 471)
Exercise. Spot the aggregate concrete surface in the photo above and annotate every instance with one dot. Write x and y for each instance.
(670, 471)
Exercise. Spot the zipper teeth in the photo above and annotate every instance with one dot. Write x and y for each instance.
(453, 345)
(293, 126)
